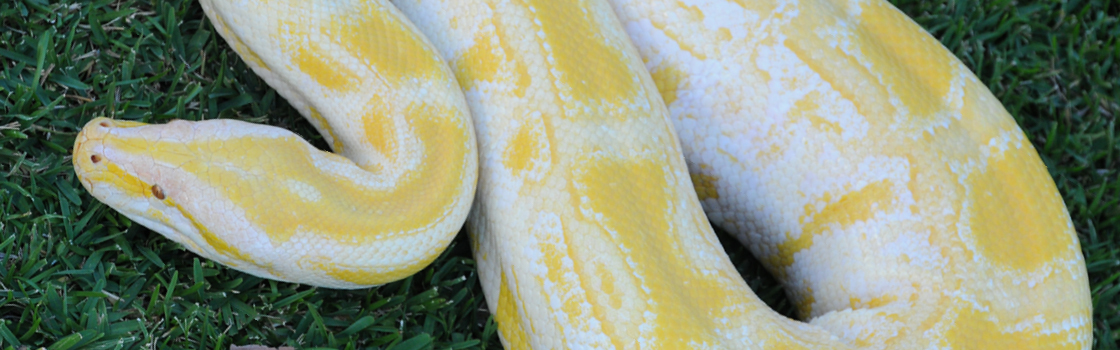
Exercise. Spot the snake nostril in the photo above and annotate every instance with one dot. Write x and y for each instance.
(157, 192)
(95, 158)
(104, 124)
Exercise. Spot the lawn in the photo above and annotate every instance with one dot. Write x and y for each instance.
(75, 274)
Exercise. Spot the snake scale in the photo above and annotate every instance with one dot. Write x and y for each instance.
(590, 145)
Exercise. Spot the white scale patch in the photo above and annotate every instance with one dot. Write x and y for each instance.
(304, 191)
(792, 80)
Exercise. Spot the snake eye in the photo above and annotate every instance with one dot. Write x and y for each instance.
(95, 158)
(104, 124)
(157, 192)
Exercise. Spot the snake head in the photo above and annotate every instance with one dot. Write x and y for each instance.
(111, 165)
(159, 176)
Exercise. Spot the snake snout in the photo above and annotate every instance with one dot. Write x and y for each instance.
(87, 148)
(89, 143)
(92, 158)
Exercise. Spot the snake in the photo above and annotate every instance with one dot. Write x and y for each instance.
(589, 147)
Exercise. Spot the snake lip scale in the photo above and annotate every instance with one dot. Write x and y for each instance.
(589, 146)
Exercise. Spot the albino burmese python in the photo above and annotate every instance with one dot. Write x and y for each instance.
(869, 170)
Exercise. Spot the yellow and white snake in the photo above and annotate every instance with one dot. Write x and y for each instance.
(856, 157)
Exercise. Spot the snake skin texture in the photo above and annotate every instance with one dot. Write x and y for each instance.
(865, 166)
(869, 170)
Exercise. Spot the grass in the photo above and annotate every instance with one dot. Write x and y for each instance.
(75, 274)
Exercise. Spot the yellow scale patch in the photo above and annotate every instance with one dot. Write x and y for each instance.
(882, 38)
(376, 38)
(479, 63)
(120, 179)
(687, 44)
(592, 72)
(354, 273)
(921, 76)
(976, 330)
(705, 185)
(508, 318)
(484, 61)
(518, 155)
(589, 68)
(757, 6)
(999, 216)
(571, 303)
(668, 80)
(312, 58)
(386, 43)
(379, 129)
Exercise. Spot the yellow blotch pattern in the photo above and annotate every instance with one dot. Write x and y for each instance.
(590, 68)
(803, 300)
(691, 14)
(508, 319)
(999, 216)
(705, 185)
(385, 42)
(608, 279)
(479, 63)
(378, 126)
(978, 330)
(518, 155)
(919, 75)
(520, 69)
(668, 80)
(308, 56)
(485, 62)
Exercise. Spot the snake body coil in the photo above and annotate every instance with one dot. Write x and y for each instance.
(867, 168)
